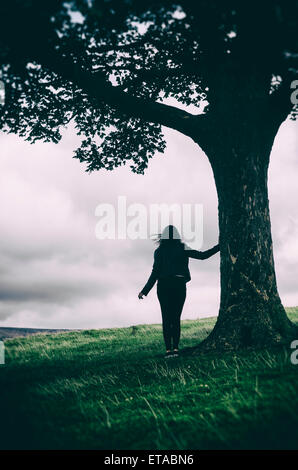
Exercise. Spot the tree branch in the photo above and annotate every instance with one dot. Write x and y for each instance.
(103, 49)
(97, 87)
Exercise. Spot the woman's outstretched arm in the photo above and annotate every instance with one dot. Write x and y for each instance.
(153, 276)
(202, 254)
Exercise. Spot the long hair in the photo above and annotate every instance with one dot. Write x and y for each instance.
(169, 237)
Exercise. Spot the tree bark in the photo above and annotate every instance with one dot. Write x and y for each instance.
(251, 313)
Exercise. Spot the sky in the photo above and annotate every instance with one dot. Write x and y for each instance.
(55, 273)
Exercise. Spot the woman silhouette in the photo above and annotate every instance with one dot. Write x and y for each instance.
(170, 269)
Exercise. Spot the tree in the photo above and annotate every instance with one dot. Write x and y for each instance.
(108, 65)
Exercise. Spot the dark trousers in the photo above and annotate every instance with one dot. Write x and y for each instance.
(171, 293)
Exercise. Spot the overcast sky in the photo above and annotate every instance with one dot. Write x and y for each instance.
(54, 273)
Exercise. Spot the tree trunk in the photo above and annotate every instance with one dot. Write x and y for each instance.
(251, 313)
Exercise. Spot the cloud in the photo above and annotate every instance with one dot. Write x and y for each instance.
(55, 273)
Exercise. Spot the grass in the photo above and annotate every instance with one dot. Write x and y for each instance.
(110, 389)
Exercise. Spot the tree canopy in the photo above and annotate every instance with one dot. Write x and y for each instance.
(108, 65)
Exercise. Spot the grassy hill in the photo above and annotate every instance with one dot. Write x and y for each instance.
(111, 389)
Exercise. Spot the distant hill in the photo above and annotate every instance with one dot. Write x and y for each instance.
(11, 332)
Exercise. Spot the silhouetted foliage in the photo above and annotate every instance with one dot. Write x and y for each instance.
(150, 50)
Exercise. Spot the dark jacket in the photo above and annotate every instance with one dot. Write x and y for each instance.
(172, 260)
